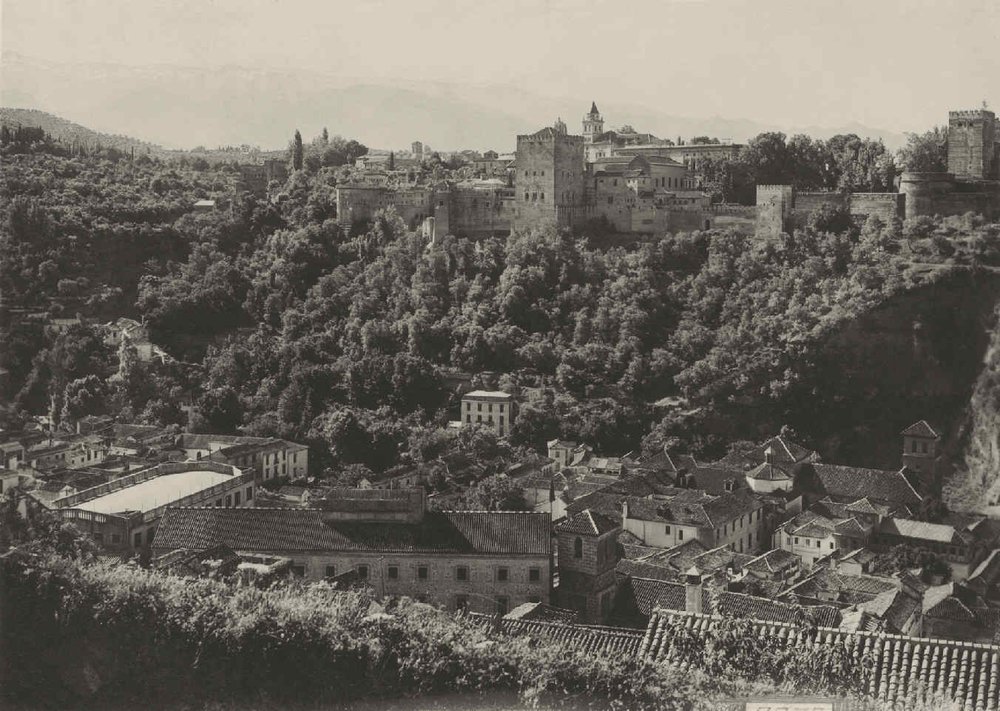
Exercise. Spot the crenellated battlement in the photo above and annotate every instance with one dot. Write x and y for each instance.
(972, 114)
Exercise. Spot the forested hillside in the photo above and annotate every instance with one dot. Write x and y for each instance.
(302, 330)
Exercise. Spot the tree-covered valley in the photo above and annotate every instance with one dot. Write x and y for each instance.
(283, 323)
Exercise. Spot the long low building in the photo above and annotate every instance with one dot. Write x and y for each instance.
(483, 561)
(122, 515)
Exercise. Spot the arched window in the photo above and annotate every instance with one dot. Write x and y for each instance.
(578, 548)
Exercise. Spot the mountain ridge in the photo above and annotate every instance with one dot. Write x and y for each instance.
(184, 107)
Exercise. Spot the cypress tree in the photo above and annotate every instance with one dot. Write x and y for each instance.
(297, 151)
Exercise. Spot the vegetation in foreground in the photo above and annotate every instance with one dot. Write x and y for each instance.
(81, 632)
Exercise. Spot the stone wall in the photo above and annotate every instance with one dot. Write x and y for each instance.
(548, 182)
(944, 194)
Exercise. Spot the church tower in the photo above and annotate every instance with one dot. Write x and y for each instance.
(593, 124)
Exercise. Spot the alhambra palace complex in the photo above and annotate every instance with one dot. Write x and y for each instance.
(639, 184)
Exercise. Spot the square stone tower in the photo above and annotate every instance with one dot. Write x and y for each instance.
(548, 182)
(972, 144)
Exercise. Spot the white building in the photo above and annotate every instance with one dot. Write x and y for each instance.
(493, 408)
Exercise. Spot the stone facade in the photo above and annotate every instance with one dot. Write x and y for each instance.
(588, 554)
(549, 179)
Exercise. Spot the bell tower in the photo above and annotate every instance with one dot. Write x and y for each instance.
(593, 124)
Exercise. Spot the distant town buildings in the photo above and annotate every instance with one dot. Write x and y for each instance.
(636, 183)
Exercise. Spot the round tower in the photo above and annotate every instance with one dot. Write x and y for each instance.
(593, 124)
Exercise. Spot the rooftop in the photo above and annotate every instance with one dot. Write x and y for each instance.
(153, 493)
(286, 530)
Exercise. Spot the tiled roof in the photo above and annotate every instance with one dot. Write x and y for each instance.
(770, 472)
(773, 561)
(649, 595)
(987, 572)
(695, 508)
(651, 571)
(847, 588)
(610, 641)
(855, 483)
(244, 529)
(251, 529)
(541, 612)
(733, 604)
(589, 522)
(719, 558)
(783, 451)
(920, 429)
(893, 666)
(922, 530)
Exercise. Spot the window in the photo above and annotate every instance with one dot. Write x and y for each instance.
(363, 572)
(817, 544)
(831, 545)
(534, 574)
(502, 605)
(479, 407)
(229, 500)
(502, 575)
(331, 571)
(667, 531)
(501, 407)
(501, 420)
(299, 571)
(137, 540)
(461, 602)
(462, 573)
(393, 572)
(578, 548)
(479, 418)
(796, 540)
(236, 498)
(218, 503)
(680, 534)
(923, 447)
(422, 572)
(913, 445)
(468, 419)
(468, 406)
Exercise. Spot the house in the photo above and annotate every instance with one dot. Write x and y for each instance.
(960, 548)
(493, 408)
(954, 611)
(485, 561)
(812, 536)
(734, 518)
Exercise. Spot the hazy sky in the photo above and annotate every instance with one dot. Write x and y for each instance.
(887, 63)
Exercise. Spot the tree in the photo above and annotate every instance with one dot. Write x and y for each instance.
(496, 493)
(325, 137)
(84, 396)
(925, 152)
(392, 161)
(297, 151)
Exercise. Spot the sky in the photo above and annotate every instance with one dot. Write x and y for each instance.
(887, 63)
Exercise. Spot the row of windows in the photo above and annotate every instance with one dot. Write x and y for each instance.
(479, 406)
(534, 197)
(462, 573)
(534, 172)
(479, 418)
(234, 499)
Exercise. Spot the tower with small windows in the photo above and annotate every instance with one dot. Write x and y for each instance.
(588, 554)
(593, 124)
(921, 449)
(549, 179)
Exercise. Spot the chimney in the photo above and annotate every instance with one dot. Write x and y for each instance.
(769, 455)
(692, 590)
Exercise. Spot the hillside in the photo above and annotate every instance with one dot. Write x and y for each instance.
(71, 133)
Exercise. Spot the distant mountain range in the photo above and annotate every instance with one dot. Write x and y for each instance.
(184, 107)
